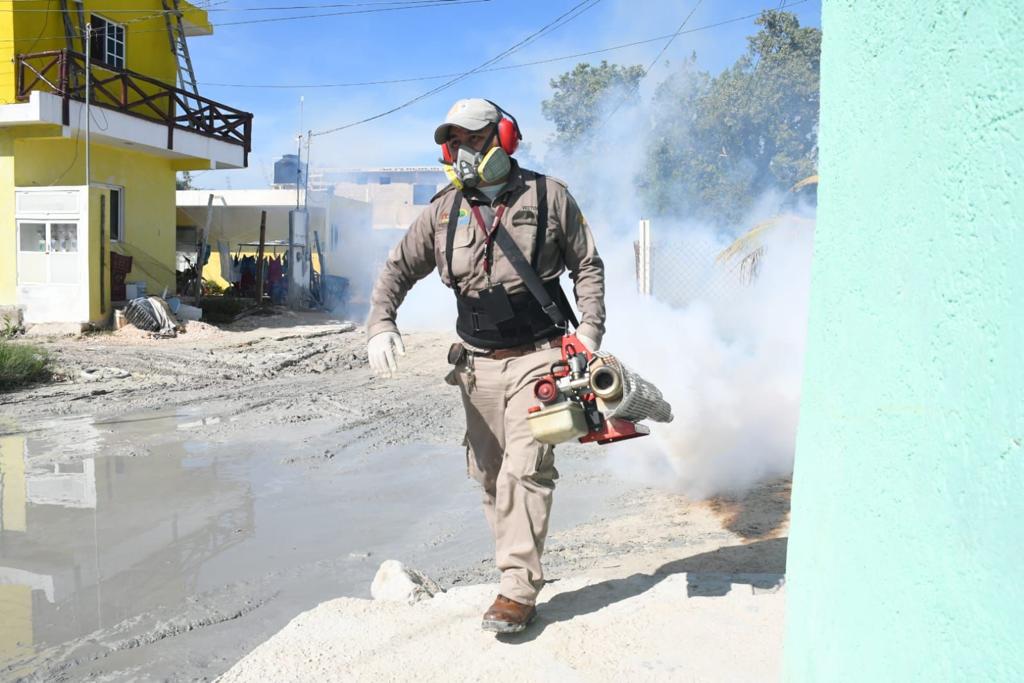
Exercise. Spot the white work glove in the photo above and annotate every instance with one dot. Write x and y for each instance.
(381, 349)
(591, 344)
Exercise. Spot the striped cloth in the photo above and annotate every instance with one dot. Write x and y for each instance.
(153, 315)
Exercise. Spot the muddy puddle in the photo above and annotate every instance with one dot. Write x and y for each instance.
(146, 547)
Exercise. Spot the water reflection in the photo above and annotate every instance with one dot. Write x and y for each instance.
(102, 550)
(87, 543)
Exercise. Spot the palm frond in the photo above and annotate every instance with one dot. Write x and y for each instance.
(749, 249)
(809, 180)
(748, 241)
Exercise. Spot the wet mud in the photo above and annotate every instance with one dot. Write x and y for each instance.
(165, 527)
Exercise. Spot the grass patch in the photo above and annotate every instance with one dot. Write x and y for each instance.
(22, 364)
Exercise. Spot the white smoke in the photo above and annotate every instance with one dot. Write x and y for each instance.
(731, 370)
(730, 359)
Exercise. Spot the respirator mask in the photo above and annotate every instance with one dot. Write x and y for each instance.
(470, 168)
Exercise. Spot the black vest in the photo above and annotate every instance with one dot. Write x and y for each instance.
(530, 323)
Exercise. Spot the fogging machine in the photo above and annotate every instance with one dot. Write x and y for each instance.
(586, 396)
(594, 398)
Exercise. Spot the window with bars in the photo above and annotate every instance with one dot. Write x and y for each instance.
(107, 42)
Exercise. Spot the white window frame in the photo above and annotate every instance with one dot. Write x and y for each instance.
(115, 38)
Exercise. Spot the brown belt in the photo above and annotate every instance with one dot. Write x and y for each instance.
(517, 351)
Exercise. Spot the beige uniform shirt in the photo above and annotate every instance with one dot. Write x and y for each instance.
(568, 244)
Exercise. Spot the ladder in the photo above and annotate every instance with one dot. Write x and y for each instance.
(179, 48)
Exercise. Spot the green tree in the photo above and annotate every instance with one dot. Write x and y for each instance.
(581, 97)
(184, 181)
(676, 168)
(719, 143)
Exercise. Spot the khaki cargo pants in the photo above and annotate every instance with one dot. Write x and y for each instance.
(516, 471)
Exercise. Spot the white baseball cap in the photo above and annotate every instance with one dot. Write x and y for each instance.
(471, 114)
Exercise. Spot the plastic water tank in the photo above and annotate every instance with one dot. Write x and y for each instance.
(287, 170)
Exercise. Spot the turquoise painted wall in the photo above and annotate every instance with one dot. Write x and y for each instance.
(906, 556)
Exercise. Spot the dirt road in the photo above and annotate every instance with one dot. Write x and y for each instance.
(278, 370)
(242, 475)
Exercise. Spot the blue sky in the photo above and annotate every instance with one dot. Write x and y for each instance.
(428, 41)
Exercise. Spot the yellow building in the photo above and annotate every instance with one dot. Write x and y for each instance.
(60, 222)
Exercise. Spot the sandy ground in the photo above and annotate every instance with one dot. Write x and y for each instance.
(647, 585)
(702, 607)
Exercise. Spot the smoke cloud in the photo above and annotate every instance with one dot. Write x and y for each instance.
(726, 354)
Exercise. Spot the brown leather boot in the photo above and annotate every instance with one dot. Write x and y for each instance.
(508, 616)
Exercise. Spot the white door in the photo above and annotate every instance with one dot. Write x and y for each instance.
(51, 271)
(52, 234)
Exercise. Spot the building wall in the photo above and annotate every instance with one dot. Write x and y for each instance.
(906, 545)
(7, 50)
(147, 50)
(8, 256)
(393, 205)
(148, 217)
(343, 226)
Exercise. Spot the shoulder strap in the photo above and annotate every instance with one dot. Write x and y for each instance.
(530, 278)
(542, 220)
(453, 221)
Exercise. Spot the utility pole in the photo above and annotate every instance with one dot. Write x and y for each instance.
(643, 248)
(88, 102)
(305, 176)
(259, 258)
(298, 171)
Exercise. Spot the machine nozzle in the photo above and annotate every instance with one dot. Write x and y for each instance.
(606, 383)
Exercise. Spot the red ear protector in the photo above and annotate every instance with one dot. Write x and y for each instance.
(509, 134)
(508, 131)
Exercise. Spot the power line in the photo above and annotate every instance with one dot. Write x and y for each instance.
(564, 18)
(746, 96)
(757, 61)
(654, 61)
(425, 4)
(507, 67)
(436, 3)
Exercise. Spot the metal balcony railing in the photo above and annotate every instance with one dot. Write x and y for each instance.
(62, 72)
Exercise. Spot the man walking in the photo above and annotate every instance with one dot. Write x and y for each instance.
(510, 326)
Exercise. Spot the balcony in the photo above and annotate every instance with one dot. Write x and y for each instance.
(62, 73)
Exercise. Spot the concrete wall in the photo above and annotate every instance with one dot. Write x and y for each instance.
(393, 206)
(906, 546)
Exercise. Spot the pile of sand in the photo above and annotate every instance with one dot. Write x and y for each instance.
(194, 330)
